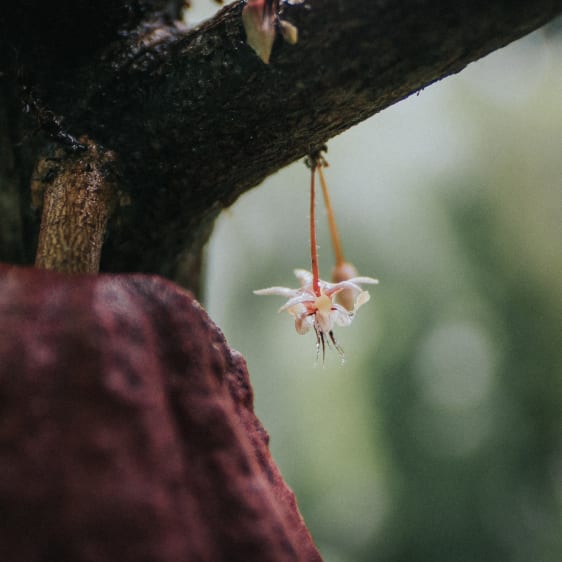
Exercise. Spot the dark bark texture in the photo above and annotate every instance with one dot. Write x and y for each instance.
(195, 117)
(77, 193)
(127, 431)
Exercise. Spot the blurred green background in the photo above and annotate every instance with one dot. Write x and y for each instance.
(440, 438)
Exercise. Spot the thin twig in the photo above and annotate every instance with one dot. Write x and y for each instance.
(79, 194)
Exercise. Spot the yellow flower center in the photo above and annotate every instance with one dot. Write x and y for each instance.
(323, 304)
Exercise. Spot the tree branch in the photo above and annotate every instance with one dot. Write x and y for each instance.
(78, 192)
(198, 119)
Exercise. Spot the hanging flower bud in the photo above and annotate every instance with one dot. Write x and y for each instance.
(258, 19)
(344, 271)
(261, 20)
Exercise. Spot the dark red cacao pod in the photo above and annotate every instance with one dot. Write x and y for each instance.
(127, 430)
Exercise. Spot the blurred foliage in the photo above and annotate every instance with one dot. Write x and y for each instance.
(440, 439)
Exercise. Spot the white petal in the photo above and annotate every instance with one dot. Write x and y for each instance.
(367, 280)
(281, 291)
(341, 316)
(334, 287)
(305, 277)
(352, 284)
(295, 310)
(361, 299)
(298, 299)
(303, 324)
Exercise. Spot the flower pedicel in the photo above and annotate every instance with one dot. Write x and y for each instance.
(313, 304)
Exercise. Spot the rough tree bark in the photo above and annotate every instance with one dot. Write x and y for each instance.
(196, 119)
(127, 430)
(77, 193)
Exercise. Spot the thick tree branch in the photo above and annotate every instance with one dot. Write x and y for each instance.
(198, 119)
